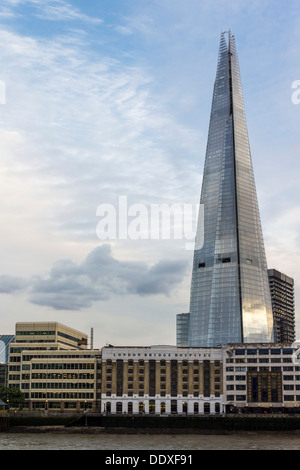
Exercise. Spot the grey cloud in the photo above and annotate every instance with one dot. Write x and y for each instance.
(11, 284)
(72, 287)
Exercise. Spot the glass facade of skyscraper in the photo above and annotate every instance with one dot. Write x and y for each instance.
(5, 340)
(230, 298)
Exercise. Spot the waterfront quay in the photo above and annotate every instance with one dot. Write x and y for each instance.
(137, 424)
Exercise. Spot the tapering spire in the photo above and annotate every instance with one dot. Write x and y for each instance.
(230, 299)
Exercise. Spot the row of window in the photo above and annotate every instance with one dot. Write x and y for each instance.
(207, 407)
(162, 372)
(162, 386)
(59, 385)
(67, 366)
(243, 377)
(141, 378)
(62, 395)
(263, 351)
(243, 398)
(251, 369)
(73, 376)
(35, 333)
(260, 360)
(141, 393)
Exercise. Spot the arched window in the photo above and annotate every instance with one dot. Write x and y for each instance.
(107, 407)
(217, 407)
(119, 407)
(196, 408)
(152, 407)
(207, 408)
(174, 406)
(162, 407)
(141, 407)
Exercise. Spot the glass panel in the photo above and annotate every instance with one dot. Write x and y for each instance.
(230, 299)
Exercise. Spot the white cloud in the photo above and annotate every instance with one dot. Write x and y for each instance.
(53, 10)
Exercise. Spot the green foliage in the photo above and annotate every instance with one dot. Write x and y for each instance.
(11, 396)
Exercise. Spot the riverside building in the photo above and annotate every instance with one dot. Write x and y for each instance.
(65, 376)
(51, 365)
(161, 380)
(251, 378)
(261, 377)
(283, 305)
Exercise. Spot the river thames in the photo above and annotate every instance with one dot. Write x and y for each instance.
(108, 442)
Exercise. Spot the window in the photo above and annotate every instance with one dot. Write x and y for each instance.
(263, 351)
(141, 407)
(239, 352)
(152, 378)
(207, 408)
(275, 351)
(251, 351)
(152, 406)
(241, 397)
(119, 377)
(119, 407)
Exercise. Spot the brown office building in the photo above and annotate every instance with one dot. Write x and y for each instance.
(283, 306)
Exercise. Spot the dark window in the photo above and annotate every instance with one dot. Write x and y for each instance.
(174, 379)
(275, 351)
(152, 406)
(251, 351)
(174, 405)
(119, 407)
(206, 378)
(206, 407)
(152, 378)
(119, 377)
(263, 351)
(239, 352)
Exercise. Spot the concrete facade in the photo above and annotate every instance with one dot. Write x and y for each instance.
(51, 365)
(161, 379)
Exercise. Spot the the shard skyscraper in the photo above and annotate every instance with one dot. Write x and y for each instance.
(230, 298)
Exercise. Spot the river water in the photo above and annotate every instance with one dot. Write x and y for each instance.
(109, 442)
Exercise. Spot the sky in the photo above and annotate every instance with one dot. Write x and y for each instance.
(104, 113)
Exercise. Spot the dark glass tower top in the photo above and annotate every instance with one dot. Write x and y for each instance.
(230, 298)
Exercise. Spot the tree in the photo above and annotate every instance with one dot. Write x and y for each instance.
(13, 396)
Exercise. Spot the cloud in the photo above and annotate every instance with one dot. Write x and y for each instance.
(71, 286)
(54, 10)
(91, 129)
(11, 284)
